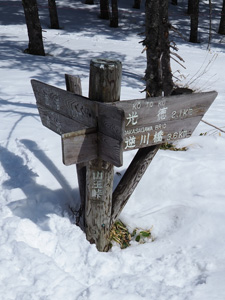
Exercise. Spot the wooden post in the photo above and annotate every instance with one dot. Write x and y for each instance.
(73, 84)
(104, 86)
(131, 178)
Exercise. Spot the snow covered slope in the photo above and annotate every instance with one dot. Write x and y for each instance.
(43, 255)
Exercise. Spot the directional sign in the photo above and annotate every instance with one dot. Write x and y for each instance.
(160, 120)
(91, 129)
(63, 111)
(153, 121)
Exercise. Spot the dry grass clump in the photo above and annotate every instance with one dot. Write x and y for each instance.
(121, 235)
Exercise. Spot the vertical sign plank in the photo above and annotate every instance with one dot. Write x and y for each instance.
(104, 86)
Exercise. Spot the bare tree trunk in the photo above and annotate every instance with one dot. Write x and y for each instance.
(158, 72)
(114, 21)
(53, 14)
(137, 4)
(167, 81)
(174, 2)
(194, 21)
(189, 10)
(158, 79)
(34, 29)
(104, 9)
(222, 20)
(91, 2)
(210, 23)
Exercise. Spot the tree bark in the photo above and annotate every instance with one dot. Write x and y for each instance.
(137, 4)
(158, 72)
(174, 2)
(104, 9)
(158, 80)
(34, 29)
(54, 21)
(190, 9)
(90, 2)
(194, 12)
(222, 20)
(114, 21)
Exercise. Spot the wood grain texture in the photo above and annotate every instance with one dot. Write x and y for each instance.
(111, 127)
(73, 84)
(57, 122)
(152, 110)
(105, 81)
(130, 179)
(160, 133)
(98, 202)
(79, 147)
(111, 121)
(158, 120)
(65, 112)
(72, 106)
(84, 145)
(110, 150)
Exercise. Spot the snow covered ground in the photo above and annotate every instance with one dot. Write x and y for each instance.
(43, 255)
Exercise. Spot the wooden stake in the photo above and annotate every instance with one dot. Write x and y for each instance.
(104, 86)
(131, 178)
(73, 84)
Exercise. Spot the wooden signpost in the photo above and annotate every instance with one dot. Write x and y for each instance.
(81, 123)
(95, 132)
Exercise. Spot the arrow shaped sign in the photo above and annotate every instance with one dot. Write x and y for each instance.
(160, 120)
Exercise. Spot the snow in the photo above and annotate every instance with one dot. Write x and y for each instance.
(44, 255)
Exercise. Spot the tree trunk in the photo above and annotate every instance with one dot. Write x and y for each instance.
(104, 9)
(137, 4)
(114, 21)
(34, 29)
(189, 10)
(174, 2)
(54, 21)
(194, 21)
(158, 79)
(158, 72)
(222, 20)
(91, 2)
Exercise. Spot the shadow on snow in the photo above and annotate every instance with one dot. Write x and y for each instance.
(40, 201)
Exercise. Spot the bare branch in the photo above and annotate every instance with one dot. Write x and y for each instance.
(178, 62)
(178, 56)
(213, 126)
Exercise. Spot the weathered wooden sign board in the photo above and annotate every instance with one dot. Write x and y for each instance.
(91, 129)
(95, 134)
